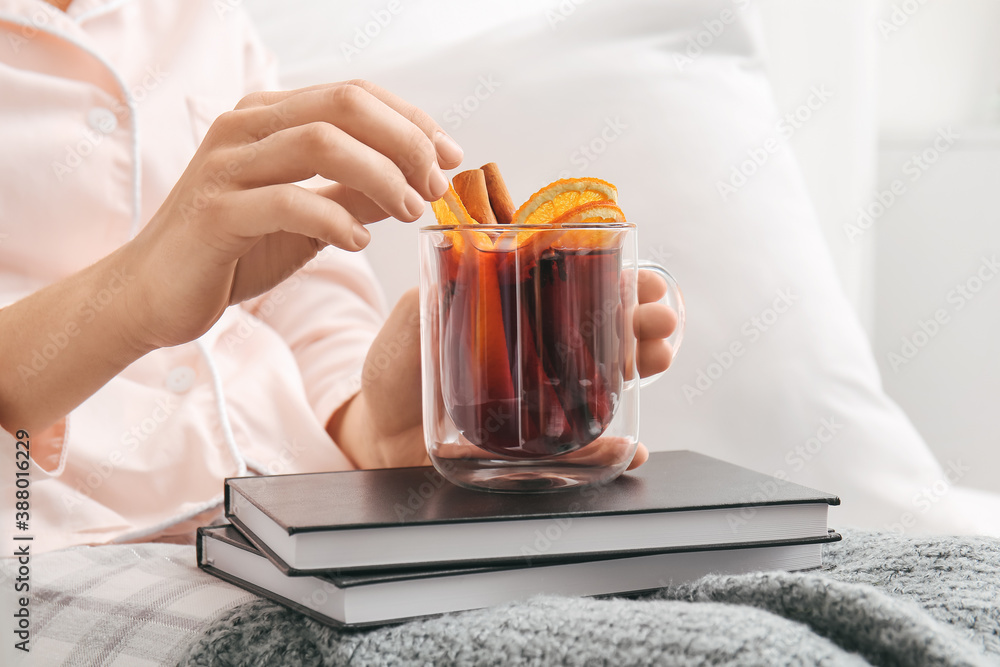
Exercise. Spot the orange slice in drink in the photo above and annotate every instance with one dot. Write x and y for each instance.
(557, 198)
(599, 212)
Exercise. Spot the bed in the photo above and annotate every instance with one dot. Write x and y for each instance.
(737, 168)
(565, 75)
(879, 599)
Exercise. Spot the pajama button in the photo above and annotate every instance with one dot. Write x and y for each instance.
(181, 379)
(103, 120)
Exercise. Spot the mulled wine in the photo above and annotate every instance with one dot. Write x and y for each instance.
(532, 352)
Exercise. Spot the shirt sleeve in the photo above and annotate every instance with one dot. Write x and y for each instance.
(328, 312)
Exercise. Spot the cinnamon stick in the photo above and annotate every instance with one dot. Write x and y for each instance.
(471, 188)
(500, 201)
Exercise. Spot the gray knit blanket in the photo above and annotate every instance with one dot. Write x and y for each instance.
(878, 600)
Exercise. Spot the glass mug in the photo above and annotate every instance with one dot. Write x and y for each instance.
(528, 352)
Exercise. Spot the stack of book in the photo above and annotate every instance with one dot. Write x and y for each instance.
(369, 547)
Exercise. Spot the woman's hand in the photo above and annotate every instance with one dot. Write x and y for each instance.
(235, 224)
(382, 425)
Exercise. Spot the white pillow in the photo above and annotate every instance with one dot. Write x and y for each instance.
(665, 100)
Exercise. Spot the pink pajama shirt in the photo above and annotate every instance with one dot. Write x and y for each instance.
(101, 109)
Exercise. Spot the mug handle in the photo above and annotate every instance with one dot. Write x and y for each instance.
(674, 298)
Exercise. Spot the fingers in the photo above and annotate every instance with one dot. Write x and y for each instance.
(269, 97)
(372, 122)
(641, 456)
(654, 320)
(651, 286)
(357, 203)
(448, 152)
(289, 208)
(381, 120)
(302, 151)
(653, 356)
(412, 113)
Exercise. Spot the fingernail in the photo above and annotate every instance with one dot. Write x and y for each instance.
(414, 202)
(361, 236)
(447, 148)
(437, 183)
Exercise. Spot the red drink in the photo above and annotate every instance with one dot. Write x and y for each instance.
(532, 356)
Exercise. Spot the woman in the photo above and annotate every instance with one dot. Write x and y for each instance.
(150, 347)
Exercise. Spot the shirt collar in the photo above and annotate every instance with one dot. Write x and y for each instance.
(42, 14)
(23, 19)
(82, 10)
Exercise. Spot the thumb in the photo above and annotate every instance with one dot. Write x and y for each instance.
(641, 456)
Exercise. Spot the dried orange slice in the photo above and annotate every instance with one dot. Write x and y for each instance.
(559, 197)
(596, 211)
(449, 210)
(599, 212)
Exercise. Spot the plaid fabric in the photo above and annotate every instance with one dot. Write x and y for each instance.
(130, 605)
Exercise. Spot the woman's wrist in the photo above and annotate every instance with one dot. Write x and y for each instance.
(129, 322)
(64, 342)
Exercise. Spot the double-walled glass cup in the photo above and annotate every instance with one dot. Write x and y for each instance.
(528, 350)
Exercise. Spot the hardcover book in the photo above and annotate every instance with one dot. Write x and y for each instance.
(412, 518)
(396, 595)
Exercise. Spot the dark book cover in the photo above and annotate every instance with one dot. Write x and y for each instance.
(669, 481)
